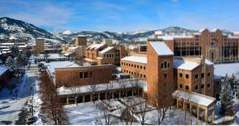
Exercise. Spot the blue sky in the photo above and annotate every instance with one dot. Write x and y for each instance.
(124, 15)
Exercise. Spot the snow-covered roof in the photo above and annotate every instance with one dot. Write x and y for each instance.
(220, 70)
(118, 84)
(106, 50)
(194, 97)
(203, 29)
(3, 69)
(161, 48)
(95, 46)
(137, 59)
(184, 64)
(51, 66)
(172, 37)
(233, 37)
(189, 64)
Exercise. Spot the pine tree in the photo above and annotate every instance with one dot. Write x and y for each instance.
(14, 50)
(11, 63)
(226, 95)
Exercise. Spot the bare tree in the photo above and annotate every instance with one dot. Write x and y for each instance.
(51, 102)
(127, 115)
(163, 100)
(141, 110)
(105, 113)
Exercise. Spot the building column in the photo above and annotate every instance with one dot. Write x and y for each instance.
(112, 94)
(190, 107)
(67, 100)
(184, 106)
(75, 100)
(198, 112)
(177, 102)
(91, 97)
(206, 115)
(83, 98)
(98, 96)
(213, 115)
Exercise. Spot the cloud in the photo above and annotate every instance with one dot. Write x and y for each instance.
(45, 14)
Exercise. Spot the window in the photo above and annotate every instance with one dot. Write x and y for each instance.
(196, 87)
(180, 85)
(196, 76)
(202, 75)
(208, 85)
(81, 75)
(165, 75)
(187, 76)
(180, 75)
(187, 87)
(202, 86)
(85, 74)
(165, 65)
(208, 74)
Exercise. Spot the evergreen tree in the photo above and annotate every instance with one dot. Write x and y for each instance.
(14, 50)
(226, 95)
(11, 63)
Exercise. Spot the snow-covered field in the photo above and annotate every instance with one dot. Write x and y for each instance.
(12, 102)
(89, 113)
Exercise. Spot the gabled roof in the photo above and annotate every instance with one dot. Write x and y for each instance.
(184, 64)
(161, 48)
(137, 59)
(95, 46)
(106, 50)
(194, 97)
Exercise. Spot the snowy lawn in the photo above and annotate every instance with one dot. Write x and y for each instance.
(89, 114)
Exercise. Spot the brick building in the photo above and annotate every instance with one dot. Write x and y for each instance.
(215, 45)
(169, 77)
(39, 47)
(45, 46)
(134, 66)
(81, 41)
(68, 73)
(104, 54)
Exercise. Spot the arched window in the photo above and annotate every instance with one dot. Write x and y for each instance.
(165, 65)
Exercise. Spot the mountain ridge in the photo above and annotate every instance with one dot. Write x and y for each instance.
(14, 28)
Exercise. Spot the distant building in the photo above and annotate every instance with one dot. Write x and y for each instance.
(214, 45)
(39, 47)
(104, 54)
(81, 41)
(44, 46)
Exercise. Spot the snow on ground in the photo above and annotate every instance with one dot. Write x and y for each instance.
(83, 114)
(89, 113)
(173, 117)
